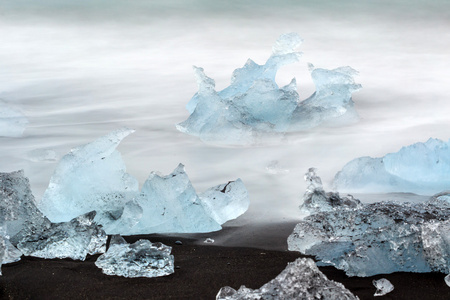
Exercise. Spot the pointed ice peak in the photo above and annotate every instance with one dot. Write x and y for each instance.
(314, 182)
(286, 43)
(116, 239)
(204, 82)
(292, 86)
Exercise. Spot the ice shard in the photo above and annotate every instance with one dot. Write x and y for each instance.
(8, 253)
(254, 104)
(420, 168)
(316, 199)
(75, 239)
(383, 286)
(141, 259)
(300, 280)
(379, 238)
(12, 121)
(18, 212)
(90, 177)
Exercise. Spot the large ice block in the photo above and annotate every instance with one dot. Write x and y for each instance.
(75, 239)
(254, 104)
(300, 280)
(420, 168)
(141, 259)
(18, 212)
(12, 121)
(90, 177)
(378, 238)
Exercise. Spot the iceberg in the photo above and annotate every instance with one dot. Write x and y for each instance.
(12, 121)
(300, 280)
(379, 238)
(383, 286)
(18, 212)
(93, 177)
(141, 259)
(420, 168)
(75, 239)
(253, 104)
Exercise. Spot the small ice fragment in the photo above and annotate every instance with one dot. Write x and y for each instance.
(447, 279)
(178, 243)
(209, 241)
(383, 286)
(274, 168)
(141, 259)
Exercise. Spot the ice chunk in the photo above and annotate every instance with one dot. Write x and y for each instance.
(90, 177)
(226, 201)
(18, 212)
(383, 286)
(315, 199)
(75, 239)
(141, 259)
(274, 168)
(447, 280)
(8, 253)
(300, 280)
(421, 168)
(170, 204)
(209, 241)
(254, 104)
(378, 238)
(12, 121)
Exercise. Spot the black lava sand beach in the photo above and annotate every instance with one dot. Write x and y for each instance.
(257, 254)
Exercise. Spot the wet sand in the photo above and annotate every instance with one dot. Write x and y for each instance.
(255, 254)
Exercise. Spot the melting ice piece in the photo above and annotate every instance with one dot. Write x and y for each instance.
(420, 168)
(378, 238)
(12, 121)
(8, 253)
(254, 104)
(300, 280)
(447, 280)
(209, 241)
(383, 286)
(315, 199)
(274, 168)
(141, 259)
(90, 177)
(75, 239)
(42, 155)
(18, 212)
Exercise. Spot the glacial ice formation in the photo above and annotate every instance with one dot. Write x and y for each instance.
(315, 199)
(8, 253)
(12, 121)
(254, 104)
(141, 259)
(383, 286)
(93, 177)
(90, 177)
(75, 239)
(379, 238)
(300, 280)
(420, 168)
(18, 212)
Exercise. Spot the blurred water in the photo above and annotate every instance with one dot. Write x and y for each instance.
(80, 70)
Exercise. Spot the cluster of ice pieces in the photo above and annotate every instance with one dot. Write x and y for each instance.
(420, 168)
(300, 280)
(12, 121)
(141, 259)
(34, 235)
(254, 104)
(93, 177)
(378, 238)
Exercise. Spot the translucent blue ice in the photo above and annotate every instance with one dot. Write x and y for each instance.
(254, 104)
(12, 121)
(421, 168)
(93, 177)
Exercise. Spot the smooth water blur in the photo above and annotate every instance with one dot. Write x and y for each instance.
(82, 69)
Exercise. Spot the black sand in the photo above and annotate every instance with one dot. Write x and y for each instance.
(202, 269)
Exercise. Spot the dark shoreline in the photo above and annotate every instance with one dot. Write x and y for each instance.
(202, 269)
